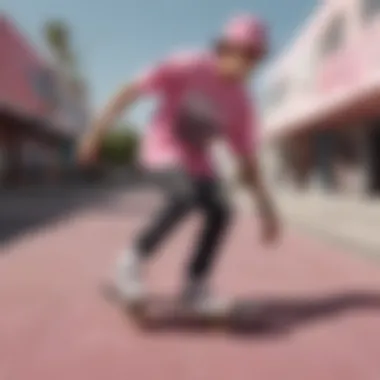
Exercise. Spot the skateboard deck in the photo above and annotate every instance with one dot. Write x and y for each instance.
(160, 311)
(274, 316)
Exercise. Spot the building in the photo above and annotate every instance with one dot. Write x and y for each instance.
(42, 109)
(322, 99)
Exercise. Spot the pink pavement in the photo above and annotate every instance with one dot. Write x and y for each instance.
(54, 324)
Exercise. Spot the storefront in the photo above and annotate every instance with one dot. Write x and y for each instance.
(327, 120)
(36, 125)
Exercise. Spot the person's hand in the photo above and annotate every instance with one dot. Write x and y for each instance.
(87, 153)
(270, 228)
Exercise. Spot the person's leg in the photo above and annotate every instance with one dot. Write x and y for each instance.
(217, 214)
(175, 209)
(179, 202)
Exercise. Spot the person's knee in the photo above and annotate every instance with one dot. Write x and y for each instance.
(219, 212)
(179, 202)
(175, 209)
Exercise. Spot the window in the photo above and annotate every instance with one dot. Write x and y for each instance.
(333, 37)
(369, 9)
(44, 85)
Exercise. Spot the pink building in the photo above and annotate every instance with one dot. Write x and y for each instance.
(325, 87)
(40, 107)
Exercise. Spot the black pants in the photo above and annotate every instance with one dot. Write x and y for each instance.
(200, 194)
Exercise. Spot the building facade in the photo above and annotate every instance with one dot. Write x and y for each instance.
(42, 109)
(322, 97)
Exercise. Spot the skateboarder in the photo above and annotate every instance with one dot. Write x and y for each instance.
(202, 98)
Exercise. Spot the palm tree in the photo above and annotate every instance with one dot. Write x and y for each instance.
(58, 39)
(57, 36)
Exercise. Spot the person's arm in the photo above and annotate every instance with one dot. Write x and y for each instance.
(118, 104)
(251, 177)
(89, 145)
(150, 82)
(243, 140)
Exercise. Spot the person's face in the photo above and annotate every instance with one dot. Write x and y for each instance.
(237, 62)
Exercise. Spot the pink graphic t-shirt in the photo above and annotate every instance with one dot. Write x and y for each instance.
(196, 106)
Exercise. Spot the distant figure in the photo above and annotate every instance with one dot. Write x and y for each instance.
(203, 98)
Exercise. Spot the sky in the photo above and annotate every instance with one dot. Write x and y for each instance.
(116, 39)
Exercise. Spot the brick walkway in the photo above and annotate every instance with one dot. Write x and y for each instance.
(55, 325)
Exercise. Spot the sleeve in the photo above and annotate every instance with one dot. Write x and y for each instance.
(244, 131)
(163, 75)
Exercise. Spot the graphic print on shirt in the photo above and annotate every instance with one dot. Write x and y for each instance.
(198, 120)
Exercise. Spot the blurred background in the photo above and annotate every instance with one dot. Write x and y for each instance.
(318, 95)
(321, 98)
(45, 105)
(318, 91)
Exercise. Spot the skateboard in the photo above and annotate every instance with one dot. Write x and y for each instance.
(157, 311)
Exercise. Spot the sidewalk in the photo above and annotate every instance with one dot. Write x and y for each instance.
(301, 314)
(348, 220)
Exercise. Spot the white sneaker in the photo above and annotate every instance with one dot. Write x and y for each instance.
(128, 279)
(197, 297)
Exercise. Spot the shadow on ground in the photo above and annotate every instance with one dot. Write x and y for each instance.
(22, 211)
(26, 210)
(261, 318)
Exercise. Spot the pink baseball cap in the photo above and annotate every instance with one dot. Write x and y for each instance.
(247, 30)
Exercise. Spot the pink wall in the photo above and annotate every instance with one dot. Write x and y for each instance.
(18, 62)
(31, 85)
(340, 80)
(358, 61)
